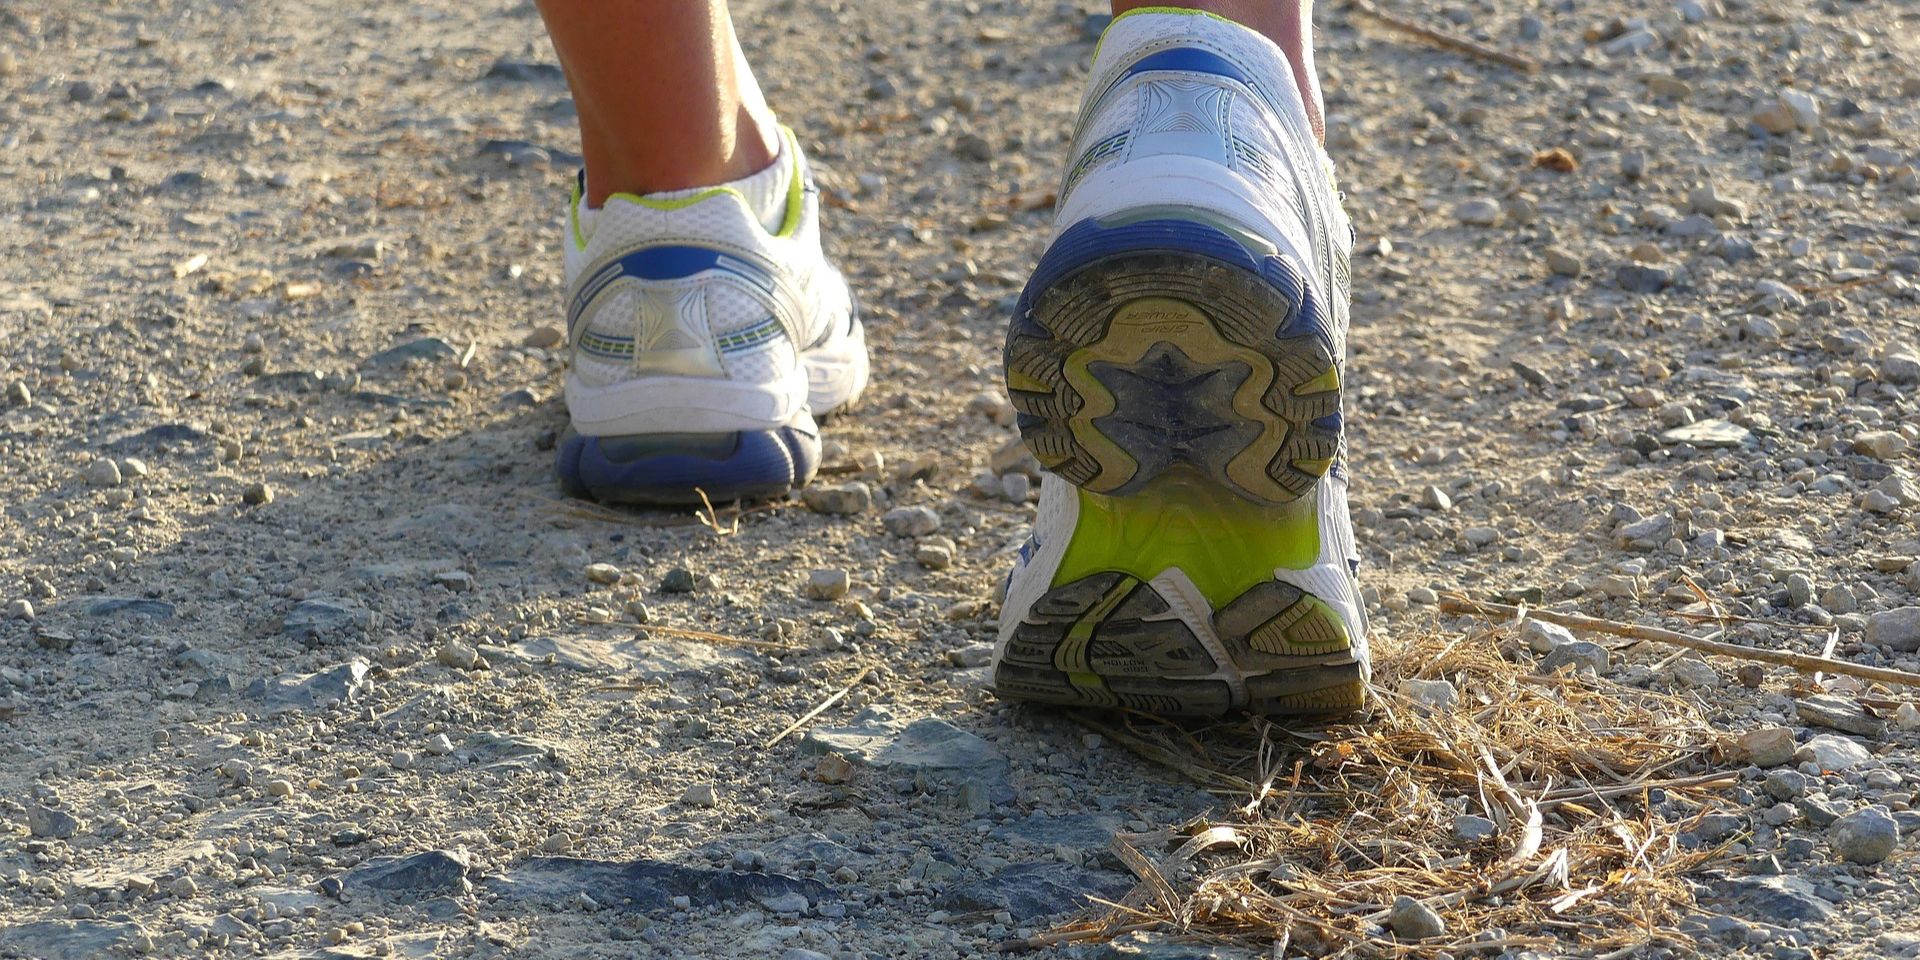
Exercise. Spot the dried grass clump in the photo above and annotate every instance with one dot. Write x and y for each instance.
(1342, 820)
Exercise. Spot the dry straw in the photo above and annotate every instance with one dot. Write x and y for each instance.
(1339, 821)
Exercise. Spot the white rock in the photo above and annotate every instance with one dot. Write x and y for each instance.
(1542, 637)
(1432, 694)
(1832, 753)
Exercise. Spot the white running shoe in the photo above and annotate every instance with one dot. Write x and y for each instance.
(704, 343)
(1176, 360)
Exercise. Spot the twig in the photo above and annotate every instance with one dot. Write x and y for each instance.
(1449, 40)
(1799, 661)
(824, 704)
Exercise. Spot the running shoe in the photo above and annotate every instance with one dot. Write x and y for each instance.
(1176, 361)
(705, 339)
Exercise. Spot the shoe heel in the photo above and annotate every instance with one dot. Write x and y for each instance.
(1160, 342)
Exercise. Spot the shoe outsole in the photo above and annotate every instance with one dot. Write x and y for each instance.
(1179, 348)
(675, 469)
(1188, 386)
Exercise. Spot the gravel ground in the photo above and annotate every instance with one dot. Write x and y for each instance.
(303, 654)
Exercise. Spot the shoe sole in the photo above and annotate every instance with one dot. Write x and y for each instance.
(675, 469)
(1187, 385)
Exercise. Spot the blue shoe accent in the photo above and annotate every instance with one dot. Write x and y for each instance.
(674, 469)
(1091, 240)
(1189, 60)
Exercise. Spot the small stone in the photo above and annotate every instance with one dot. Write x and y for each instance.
(1832, 754)
(841, 500)
(1865, 836)
(1694, 672)
(603, 573)
(1907, 717)
(1412, 920)
(1708, 434)
(827, 584)
(1478, 212)
(700, 795)
(1542, 637)
(20, 609)
(43, 821)
(1768, 746)
(1436, 499)
(1785, 784)
(679, 580)
(459, 655)
(279, 788)
(1564, 264)
(1880, 444)
(971, 655)
(1582, 655)
(1839, 713)
(1433, 695)
(833, 768)
(18, 395)
(256, 494)
(184, 888)
(1470, 828)
(934, 554)
(1897, 629)
(439, 745)
(911, 521)
(103, 472)
(971, 146)
(403, 760)
(545, 337)
(1640, 278)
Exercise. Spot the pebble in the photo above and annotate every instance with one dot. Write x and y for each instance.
(700, 795)
(1865, 836)
(1582, 655)
(827, 584)
(44, 821)
(1470, 828)
(1694, 672)
(459, 655)
(1840, 713)
(603, 573)
(20, 609)
(934, 554)
(1832, 754)
(256, 494)
(1542, 637)
(972, 146)
(1434, 498)
(1564, 264)
(545, 337)
(679, 580)
(103, 472)
(840, 500)
(1478, 212)
(1881, 444)
(1412, 920)
(1785, 784)
(1433, 695)
(1897, 629)
(911, 521)
(1768, 746)
(279, 788)
(439, 745)
(1907, 717)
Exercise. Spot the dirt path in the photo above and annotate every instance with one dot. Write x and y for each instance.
(286, 587)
